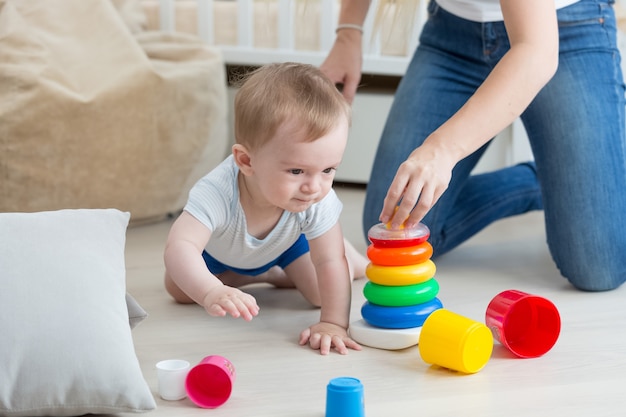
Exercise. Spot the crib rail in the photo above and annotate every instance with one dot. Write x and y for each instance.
(246, 52)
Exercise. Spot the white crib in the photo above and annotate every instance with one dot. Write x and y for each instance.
(295, 30)
(256, 32)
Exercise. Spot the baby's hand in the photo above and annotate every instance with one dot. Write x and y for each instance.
(223, 300)
(324, 336)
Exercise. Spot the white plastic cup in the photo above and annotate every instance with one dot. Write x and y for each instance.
(171, 375)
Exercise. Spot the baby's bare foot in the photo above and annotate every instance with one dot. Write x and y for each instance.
(277, 277)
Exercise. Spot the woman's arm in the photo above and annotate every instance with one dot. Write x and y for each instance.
(511, 86)
(344, 61)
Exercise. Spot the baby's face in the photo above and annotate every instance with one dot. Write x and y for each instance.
(293, 174)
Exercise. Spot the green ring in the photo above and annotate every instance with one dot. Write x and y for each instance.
(401, 296)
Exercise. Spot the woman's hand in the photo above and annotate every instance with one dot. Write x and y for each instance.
(418, 184)
(344, 61)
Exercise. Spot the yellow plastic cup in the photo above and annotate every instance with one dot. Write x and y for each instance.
(455, 342)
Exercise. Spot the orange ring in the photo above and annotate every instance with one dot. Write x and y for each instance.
(408, 255)
(401, 275)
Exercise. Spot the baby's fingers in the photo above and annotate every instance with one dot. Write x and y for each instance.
(244, 307)
(304, 336)
(248, 308)
(326, 342)
(315, 341)
(341, 344)
(216, 310)
(349, 343)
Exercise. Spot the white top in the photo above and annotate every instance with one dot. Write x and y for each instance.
(483, 10)
(214, 201)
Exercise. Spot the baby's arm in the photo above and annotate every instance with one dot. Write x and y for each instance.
(184, 264)
(331, 266)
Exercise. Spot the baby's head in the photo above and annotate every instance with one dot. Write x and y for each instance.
(296, 93)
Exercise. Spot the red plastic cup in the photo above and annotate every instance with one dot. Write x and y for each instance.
(528, 325)
(210, 383)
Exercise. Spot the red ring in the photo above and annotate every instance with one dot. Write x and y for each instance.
(384, 237)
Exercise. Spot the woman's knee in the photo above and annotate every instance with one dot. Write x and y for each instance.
(593, 276)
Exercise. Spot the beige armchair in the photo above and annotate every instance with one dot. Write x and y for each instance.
(95, 114)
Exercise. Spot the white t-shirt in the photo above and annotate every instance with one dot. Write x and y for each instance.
(214, 201)
(484, 10)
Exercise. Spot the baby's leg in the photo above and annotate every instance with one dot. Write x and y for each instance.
(174, 290)
(301, 273)
(274, 276)
(356, 261)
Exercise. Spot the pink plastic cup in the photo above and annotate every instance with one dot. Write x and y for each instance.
(210, 383)
(528, 325)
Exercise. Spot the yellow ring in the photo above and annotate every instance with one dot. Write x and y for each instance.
(401, 275)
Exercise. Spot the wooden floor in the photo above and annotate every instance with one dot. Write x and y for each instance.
(583, 375)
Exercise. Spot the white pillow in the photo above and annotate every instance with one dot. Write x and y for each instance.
(65, 341)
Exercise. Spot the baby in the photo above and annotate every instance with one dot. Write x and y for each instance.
(268, 212)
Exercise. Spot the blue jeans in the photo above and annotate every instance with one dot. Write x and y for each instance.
(576, 130)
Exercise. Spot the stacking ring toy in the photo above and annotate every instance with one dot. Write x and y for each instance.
(407, 255)
(383, 237)
(400, 296)
(399, 317)
(377, 337)
(401, 275)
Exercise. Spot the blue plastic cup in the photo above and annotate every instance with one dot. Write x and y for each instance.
(344, 398)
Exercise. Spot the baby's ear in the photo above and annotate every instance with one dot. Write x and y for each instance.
(242, 158)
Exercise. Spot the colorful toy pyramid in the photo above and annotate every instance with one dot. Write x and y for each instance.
(401, 292)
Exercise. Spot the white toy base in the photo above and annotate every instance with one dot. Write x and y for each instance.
(389, 339)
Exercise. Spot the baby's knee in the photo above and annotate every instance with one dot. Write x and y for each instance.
(313, 299)
(175, 292)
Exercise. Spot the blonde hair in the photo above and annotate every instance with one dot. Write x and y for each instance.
(276, 93)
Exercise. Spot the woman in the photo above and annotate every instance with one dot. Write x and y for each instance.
(480, 64)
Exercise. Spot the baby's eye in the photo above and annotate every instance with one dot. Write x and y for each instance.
(328, 170)
(296, 171)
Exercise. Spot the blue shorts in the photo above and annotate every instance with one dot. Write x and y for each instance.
(294, 252)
